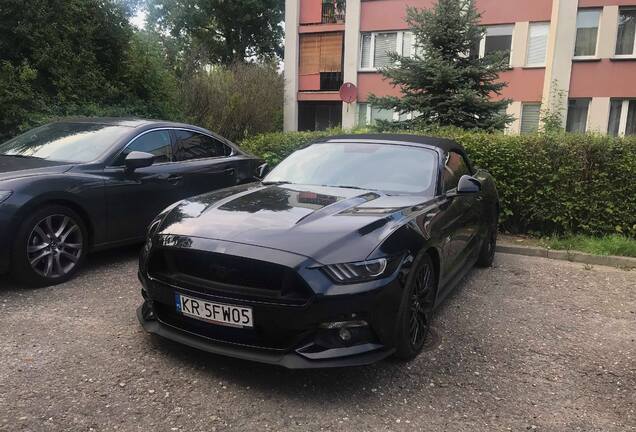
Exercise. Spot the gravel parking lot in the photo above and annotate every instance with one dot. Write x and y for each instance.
(532, 344)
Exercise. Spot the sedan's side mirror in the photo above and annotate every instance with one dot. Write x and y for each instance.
(468, 185)
(137, 159)
(261, 171)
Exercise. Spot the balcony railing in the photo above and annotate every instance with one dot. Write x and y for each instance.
(333, 12)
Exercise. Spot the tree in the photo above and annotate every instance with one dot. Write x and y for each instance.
(218, 31)
(76, 57)
(445, 82)
(236, 101)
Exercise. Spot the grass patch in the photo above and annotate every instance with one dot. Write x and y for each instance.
(608, 245)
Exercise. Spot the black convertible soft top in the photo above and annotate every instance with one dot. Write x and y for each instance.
(445, 144)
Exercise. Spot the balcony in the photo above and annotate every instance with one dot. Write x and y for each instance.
(333, 11)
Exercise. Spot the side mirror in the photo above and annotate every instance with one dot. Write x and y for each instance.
(468, 185)
(137, 159)
(261, 171)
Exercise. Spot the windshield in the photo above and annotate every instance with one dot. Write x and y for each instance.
(65, 142)
(382, 167)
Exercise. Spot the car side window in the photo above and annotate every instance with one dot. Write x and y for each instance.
(193, 145)
(156, 142)
(454, 169)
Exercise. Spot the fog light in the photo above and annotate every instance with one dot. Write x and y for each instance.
(344, 334)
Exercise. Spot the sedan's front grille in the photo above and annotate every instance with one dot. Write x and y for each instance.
(229, 276)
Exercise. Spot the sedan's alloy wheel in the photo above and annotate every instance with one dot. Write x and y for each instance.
(421, 305)
(55, 246)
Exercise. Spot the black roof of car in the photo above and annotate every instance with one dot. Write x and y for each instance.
(445, 144)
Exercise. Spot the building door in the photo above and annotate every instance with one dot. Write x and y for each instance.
(314, 116)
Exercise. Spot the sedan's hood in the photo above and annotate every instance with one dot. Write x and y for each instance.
(324, 223)
(13, 167)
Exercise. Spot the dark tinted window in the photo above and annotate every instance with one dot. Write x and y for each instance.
(157, 143)
(455, 168)
(192, 145)
(69, 142)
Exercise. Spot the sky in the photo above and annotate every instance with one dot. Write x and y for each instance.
(139, 20)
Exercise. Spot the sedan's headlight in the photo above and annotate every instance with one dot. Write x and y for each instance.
(4, 195)
(361, 271)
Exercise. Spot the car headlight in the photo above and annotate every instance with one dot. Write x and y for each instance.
(361, 271)
(4, 195)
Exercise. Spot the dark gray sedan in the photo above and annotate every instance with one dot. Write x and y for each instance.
(78, 185)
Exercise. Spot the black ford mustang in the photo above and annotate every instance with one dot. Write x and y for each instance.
(338, 257)
(84, 184)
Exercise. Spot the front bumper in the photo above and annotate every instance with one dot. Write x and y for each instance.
(367, 355)
(292, 335)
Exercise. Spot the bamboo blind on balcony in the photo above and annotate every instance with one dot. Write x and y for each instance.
(320, 53)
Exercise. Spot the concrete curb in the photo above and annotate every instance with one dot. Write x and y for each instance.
(572, 256)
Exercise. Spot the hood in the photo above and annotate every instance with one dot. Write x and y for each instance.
(13, 167)
(324, 223)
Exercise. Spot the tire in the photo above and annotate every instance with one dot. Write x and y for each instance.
(49, 247)
(488, 246)
(416, 309)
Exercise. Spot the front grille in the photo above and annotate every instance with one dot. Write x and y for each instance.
(268, 336)
(229, 276)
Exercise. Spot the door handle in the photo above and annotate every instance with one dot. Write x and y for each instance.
(175, 179)
(229, 171)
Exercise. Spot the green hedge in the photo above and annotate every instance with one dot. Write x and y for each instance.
(548, 184)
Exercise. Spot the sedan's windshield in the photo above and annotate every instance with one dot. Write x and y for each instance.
(65, 142)
(382, 167)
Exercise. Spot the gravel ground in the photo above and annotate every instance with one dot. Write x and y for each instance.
(532, 344)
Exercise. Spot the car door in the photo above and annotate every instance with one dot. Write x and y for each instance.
(461, 218)
(135, 198)
(204, 163)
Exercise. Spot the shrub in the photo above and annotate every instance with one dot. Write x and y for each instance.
(235, 101)
(548, 183)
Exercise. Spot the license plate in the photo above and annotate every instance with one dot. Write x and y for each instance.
(216, 313)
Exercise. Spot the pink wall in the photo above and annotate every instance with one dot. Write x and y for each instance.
(590, 3)
(372, 82)
(510, 11)
(310, 11)
(309, 82)
(524, 85)
(387, 14)
(321, 28)
(321, 96)
(606, 78)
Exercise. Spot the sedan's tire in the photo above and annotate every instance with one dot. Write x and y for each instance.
(49, 247)
(416, 313)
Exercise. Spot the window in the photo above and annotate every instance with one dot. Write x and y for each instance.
(375, 48)
(577, 115)
(455, 168)
(586, 32)
(157, 142)
(361, 164)
(321, 54)
(537, 44)
(626, 38)
(193, 145)
(368, 115)
(497, 39)
(530, 113)
(622, 119)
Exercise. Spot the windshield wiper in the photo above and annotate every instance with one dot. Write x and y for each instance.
(20, 156)
(278, 182)
(347, 187)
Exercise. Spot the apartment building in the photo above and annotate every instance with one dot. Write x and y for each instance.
(575, 55)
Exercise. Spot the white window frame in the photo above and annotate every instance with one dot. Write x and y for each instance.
(598, 34)
(399, 41)
(622, 123)
(482, 42)
(521, 116)
(622, 56)
(368, 119)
